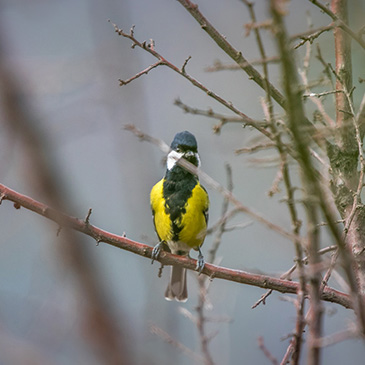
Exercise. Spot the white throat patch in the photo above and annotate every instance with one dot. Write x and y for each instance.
(172, 158)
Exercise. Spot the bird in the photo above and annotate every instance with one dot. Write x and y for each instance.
(180, 206)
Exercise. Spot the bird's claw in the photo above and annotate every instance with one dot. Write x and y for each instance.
(156, 251)
(200, 263)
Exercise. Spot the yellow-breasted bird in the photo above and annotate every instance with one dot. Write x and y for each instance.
(180, 211)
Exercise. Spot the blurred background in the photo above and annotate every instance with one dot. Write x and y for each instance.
(65, 300)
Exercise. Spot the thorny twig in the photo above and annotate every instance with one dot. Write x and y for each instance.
(150, 48)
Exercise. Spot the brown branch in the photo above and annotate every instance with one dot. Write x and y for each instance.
(266, 352)
(210, 182)
(139, 74)
(310, 32)
(219, 66)
(255, 148)
(202, 281)
(313, 35)
(224, 119)
(296, 223)
(236, 55)
(150, 48)
(340, 22)
(122, 242)
(167, 338)
(296, 119)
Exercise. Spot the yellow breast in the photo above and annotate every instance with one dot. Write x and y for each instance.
(192, 222)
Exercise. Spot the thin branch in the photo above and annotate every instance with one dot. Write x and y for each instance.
(236, 55)
(310, 32)
(224, 119)
(296, 118)
(167, 338)
(340, 23)
(219, 66)
(217, 187)
(266, 352)
(202, 281)
(139, 74)
(255, 148)
(150, 48)
(222, 228)
(122, 242)
(314, 35)
(337, 337)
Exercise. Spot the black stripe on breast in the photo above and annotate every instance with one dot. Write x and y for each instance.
(177, 189)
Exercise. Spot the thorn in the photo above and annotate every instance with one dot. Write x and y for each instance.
(184, 65)
(87, 219)
(16, 205)
(2, 197)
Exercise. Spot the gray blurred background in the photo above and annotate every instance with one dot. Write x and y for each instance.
(66, 59)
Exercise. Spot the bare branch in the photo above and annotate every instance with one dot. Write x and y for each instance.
(340, 23)
(150, 48)
(236, 55)
(122, 242)
(219, 66)
(139, 74)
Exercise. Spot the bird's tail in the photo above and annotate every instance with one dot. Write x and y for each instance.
(177, 286)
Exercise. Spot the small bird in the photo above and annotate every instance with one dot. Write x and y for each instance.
(180, 212)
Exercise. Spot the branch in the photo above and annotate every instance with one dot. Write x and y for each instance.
(216, 186)
(144, 72)
(296, 120)
(236, 55)
(219, 66)
(340, 23)
(122, 242)
(162, 61)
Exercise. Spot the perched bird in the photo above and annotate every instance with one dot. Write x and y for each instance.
(180, 212)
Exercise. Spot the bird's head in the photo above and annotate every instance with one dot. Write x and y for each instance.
(183, 145)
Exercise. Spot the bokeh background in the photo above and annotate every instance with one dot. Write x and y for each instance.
(65, 300)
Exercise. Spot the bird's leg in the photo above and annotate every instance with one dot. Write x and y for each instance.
(156, 251)
(200, 263)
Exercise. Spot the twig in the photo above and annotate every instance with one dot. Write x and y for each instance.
(139, 74)
(258, 147)
(266, 352)
(325, 65)
(236, 55)
(311, 37)
(222, 228)
(296, 118)
(340, 23)
(149, 47)
(167, 338)
(218, 187)
(319, 95)
(219, 66)
(337, 337)
(308, 33)
(224, 119)
(202, 281)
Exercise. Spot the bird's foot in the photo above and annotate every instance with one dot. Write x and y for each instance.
(156, 251)
(200, 263)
